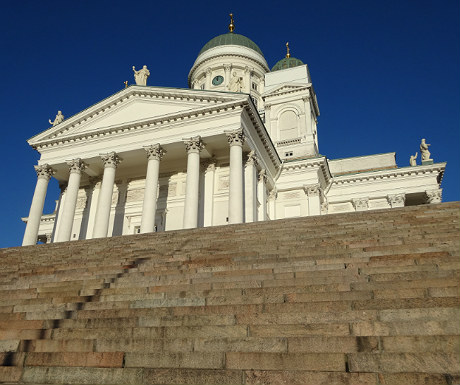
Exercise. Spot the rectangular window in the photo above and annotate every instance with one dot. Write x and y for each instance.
(254, 86)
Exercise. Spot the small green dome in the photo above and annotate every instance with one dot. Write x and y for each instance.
(287, 62)
(231, 39)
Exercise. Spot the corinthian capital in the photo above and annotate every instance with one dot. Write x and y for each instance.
(235, 138)
(434, 196)
(251, 159)
(76, 165)
(194, 144)
(111, 160)
(44, 171)
(155, 152)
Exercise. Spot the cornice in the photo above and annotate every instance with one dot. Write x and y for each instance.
(286, 89)
(391, 173)
(303, 164)
(173, 118)
(176, 94)
(262, 132)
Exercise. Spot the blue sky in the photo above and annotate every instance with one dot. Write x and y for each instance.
(386, 73)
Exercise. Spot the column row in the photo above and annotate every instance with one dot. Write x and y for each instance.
(241, 203)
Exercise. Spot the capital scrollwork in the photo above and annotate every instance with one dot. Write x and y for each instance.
(434, 196)
(396, 200)
(360, 203)
(44, 171)
(194, 144)
(262, 176)
(235, 138)
(155, 151)
(251, 158)
(312, 190)
(76, 166)
(111, 160)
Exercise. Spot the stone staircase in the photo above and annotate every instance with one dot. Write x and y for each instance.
(362, 298)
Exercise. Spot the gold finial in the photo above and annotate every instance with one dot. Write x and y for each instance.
(231, 27)
(287, 47)
(126, 84)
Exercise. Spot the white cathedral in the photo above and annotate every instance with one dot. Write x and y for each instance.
(240, 145)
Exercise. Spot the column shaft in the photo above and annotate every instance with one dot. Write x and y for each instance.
(193, 146)
(262, 197)
(44, 173)
(104, 204)
(235, 199)
(68, 211)
(250, 188)
(149, 207)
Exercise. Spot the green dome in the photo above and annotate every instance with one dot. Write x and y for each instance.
(231, 39)
(287, 62)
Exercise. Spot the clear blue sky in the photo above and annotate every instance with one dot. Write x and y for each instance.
(386, 73)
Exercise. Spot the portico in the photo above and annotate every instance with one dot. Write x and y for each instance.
(163, 180)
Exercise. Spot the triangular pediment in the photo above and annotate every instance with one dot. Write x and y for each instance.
(133, 104)
(285, 88)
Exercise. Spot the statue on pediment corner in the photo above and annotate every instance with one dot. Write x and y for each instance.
(413, 160)
(141, 76)
(424, 152)
(58, 119)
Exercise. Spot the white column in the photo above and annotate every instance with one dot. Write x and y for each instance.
(44, 173)
(193, 147)
(262, 196)
(314, 203)
(68, 211)
(208, 79)
(247, 75)
(104, 204)
(272, 203)
(149, 207)
(250, 188)
(235, 199)
(208, 201)
(227, 69)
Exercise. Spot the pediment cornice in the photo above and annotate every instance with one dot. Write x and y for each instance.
(71, 127)
(287, 89)
(139, 125)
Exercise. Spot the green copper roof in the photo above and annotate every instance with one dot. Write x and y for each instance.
(231, 39)
(287, 62)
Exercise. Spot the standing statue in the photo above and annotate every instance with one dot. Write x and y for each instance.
(413, 159)
(236, 83)
(424, 153)
(141, 76)
(58, 119)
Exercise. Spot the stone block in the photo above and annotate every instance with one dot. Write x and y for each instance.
(248, 344)
(335, 344)
(441, 363)
(416, 344)
(192, 377)
(9, 345)
(300, 330)
(408, 328)
(300, 377)
(197, 360)
(417, 379)
(82, 376)
(285, 361)
(10, 374)
(87, 359)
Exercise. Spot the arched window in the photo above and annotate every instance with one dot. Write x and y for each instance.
(288, 125)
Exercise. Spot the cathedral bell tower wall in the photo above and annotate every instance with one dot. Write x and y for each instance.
(291, 112)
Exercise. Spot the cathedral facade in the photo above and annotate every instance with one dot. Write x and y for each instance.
(239, 145)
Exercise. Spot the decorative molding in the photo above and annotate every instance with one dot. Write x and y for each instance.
(110, 160)
(235, 138)
(194, 144)
(251, 159)
(155, 151)
(434, 196)
(396, 200)
(262, 177)
(312, 190)
(76, 166)
(44, 171)
(360, 204)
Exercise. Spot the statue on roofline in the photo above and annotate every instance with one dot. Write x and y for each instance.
(413, 159)
(141, 76)
(424, 153)
(58, 119)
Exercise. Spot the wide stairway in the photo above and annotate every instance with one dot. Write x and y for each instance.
(362, 298)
